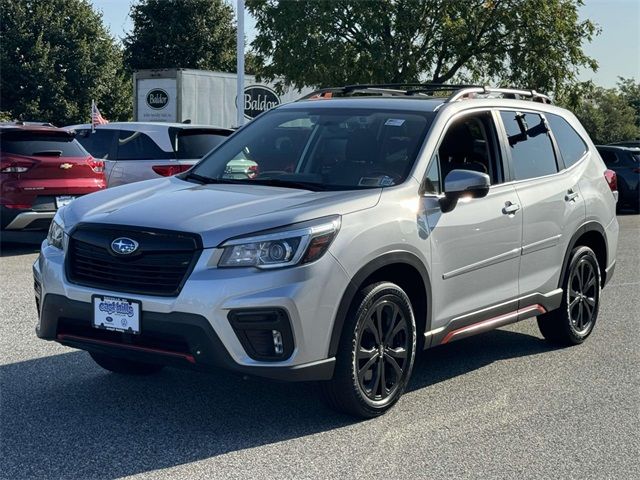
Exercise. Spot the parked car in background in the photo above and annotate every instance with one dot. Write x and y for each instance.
(625, 161)
(135, 151)
(41, 170)
(627, 143)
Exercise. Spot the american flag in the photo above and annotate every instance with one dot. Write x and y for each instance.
(96, 116)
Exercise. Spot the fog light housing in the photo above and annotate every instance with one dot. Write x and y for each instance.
(265, 334)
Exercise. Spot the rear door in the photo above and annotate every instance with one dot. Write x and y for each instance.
(552, 206)
(137, 155)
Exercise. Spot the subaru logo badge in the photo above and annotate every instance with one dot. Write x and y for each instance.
(124, 246)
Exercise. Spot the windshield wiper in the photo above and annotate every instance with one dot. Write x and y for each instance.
(270, 182)
(276, 182)
(198, 178)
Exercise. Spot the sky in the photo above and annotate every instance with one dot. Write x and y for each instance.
(616, 49)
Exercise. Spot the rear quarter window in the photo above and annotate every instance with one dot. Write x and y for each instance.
(33, 144)
(571, 146)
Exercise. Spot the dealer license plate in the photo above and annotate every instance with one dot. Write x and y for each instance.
(118, 314)
(64, 200)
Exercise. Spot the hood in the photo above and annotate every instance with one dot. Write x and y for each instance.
(217, 212)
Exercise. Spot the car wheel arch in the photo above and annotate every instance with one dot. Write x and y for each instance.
(592, 235)
(400, 267)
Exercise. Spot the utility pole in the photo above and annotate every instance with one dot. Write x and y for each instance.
(240, 64)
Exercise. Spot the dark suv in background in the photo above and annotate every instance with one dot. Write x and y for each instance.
(625, 161)
(41, 170)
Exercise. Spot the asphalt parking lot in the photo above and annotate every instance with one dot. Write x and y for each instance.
(500, 405)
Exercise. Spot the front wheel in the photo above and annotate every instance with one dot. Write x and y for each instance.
(573, 322)
(376, 353)
(121, 365)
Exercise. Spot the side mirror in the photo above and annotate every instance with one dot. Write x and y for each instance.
(463, 183)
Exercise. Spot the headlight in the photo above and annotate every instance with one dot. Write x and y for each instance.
(55, 237)
(301, 243)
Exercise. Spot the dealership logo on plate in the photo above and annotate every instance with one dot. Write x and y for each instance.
(258, 99)
(157, 98)
(124, 246)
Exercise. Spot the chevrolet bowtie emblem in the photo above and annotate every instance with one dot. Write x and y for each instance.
(66, 166)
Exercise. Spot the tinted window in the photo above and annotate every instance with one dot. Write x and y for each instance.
(139, 146)
(470, 144)
(34, 144)
(196, 144)
(609, 157)
(99, 143)
(572, 147)
(531, 148)
(432, 180)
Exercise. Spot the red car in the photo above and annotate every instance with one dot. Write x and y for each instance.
(42, 169)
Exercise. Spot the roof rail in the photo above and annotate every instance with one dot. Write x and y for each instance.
(384, 90)
(458, 92)
(515, 93)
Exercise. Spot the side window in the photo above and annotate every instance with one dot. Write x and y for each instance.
(531, 148)
(609, 157)
(470, 143)
(139, 146)
(572, 147)
(99, 143)
(432, 179)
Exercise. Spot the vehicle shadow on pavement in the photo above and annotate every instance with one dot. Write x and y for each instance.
(457, 358)
(13, 249)
(64, 417)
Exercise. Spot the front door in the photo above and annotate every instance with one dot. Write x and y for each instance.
(476, 246)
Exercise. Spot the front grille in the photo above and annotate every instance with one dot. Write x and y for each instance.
(160, 266)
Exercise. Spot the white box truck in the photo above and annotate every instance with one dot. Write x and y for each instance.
(200, 96)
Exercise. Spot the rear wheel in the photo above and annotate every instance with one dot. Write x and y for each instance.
(121, 365)
(574, 321)
(376, 353)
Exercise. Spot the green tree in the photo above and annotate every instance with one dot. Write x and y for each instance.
(531, 43)
(181, 34)
(630, 91)
(607, 114)
(57, 56)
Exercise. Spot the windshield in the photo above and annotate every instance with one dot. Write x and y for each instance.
(332, 148)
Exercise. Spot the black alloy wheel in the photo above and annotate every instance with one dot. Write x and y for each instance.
(383, 349)
(574, 320)
(376, 353)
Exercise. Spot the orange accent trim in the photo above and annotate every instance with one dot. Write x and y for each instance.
(185, 356)
(488, 322)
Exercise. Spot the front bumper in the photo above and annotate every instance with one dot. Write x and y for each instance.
(194, 329)
(176, 339)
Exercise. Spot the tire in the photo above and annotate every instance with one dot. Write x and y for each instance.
(573, 322)
(123, 366)
(376, 353)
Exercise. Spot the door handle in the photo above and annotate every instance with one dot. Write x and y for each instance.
(571, 195)
(510, 208)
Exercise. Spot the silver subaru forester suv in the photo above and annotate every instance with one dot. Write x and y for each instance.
(382, 220)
